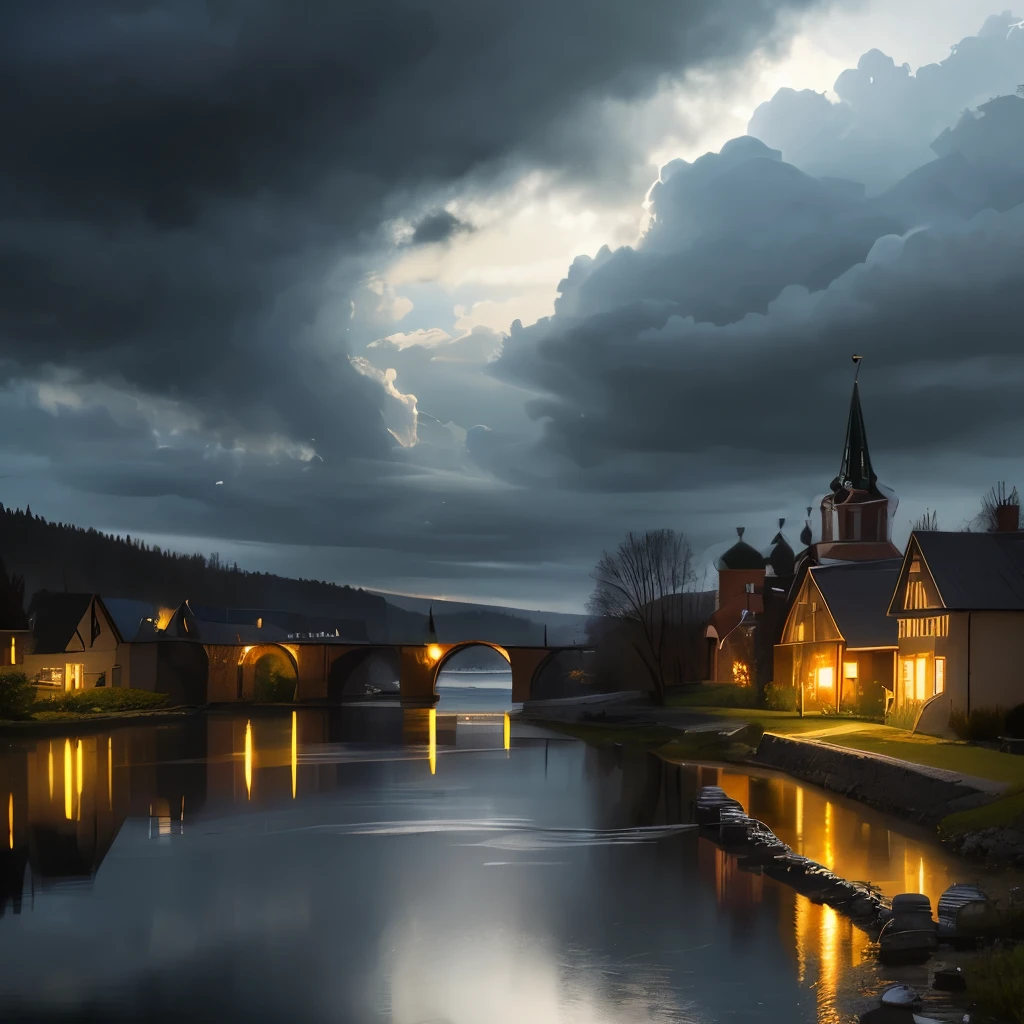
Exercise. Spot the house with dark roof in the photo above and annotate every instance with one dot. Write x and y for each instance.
(959, 611)
(75, 643)
(839, 645)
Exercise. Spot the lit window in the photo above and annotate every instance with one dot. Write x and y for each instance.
(920, 674)
(825, 677)
(800, 633)
(906, 679)
(259, 622)
(940, 675)
(849, 670)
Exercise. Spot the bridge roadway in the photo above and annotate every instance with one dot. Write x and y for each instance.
(323, 667)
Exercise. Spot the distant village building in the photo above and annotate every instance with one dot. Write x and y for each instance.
(838, 644)
(74, 645)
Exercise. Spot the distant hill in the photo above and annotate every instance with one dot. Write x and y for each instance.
(137, 577)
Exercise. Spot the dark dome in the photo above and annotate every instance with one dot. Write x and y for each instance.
(806, 537)
(741, 555)
(780, 555)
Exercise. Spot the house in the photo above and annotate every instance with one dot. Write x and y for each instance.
(839, 645)
(74, 643)
(959, 609)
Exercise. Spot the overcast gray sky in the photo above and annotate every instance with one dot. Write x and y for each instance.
(443, 297)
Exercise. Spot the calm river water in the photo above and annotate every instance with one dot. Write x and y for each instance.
(365, 864)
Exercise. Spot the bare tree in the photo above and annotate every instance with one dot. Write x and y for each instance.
(987, 519)
(647, 584)
(929, 522)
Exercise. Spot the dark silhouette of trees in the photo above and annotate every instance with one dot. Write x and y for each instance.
(928, 522)
(989, 515)
(644, 595)
(58, 556)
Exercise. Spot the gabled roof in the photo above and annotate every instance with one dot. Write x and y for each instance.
(971, 571)
(858, 596)
(55, 617)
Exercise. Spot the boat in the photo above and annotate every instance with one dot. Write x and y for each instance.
(965, 914)
(902, 997)
(910, 935)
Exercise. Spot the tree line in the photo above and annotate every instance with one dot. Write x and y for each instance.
(60, 556)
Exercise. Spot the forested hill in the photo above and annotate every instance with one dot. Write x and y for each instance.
(58, 556)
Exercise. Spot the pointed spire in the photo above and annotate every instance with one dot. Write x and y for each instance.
(431, 630)
(739, 531)
(545, 634)
(856, 472)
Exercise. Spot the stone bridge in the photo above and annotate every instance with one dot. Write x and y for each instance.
(323, 669)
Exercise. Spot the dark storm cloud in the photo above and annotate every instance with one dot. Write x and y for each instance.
(723, 339)
(190, 189)
(438, 227)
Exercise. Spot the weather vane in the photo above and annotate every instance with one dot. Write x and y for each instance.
(856, 362)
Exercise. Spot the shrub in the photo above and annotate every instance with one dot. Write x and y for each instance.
(982, 725)
(904, 716)
(1014, 724)
(996, 984)
(16, 695)
(102, 701)
(780, 698)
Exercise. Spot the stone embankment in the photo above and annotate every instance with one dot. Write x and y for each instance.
(915, 792)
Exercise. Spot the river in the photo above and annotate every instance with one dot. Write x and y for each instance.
(369, 864)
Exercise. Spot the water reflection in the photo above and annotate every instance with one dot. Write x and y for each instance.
(363, 864)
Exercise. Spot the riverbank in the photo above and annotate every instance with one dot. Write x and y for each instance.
(970, 797)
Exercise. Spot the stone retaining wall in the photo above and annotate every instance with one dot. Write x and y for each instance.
(915, 795)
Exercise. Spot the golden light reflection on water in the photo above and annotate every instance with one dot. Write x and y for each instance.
(432, 739)
(10, 820)
(68, 781)
(825, 945)
(508, 731)
(248, 760)
(49, 770)
(295, 752)
(78, 785)
(110, 773)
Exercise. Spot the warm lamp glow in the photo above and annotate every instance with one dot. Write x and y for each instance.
(508, 731)
(248, 760)
(163, 617)
(432, 739)
(14, 653)
(434, 652)
(825, 675)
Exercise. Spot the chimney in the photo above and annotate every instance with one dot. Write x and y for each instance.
(1007, 518)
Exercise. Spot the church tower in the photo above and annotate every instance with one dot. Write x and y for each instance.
(856, 514)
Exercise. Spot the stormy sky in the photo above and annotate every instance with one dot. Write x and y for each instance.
(442, 297)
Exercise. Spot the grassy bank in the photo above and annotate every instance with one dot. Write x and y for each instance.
(84, 704)
(995, 984)
(665, 741)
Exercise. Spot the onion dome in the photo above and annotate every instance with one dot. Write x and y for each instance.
(780, 555)
(806, 536)
(741, 555)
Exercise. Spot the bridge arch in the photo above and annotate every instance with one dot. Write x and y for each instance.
(364, 671)
(451, 651)
(267, 672)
